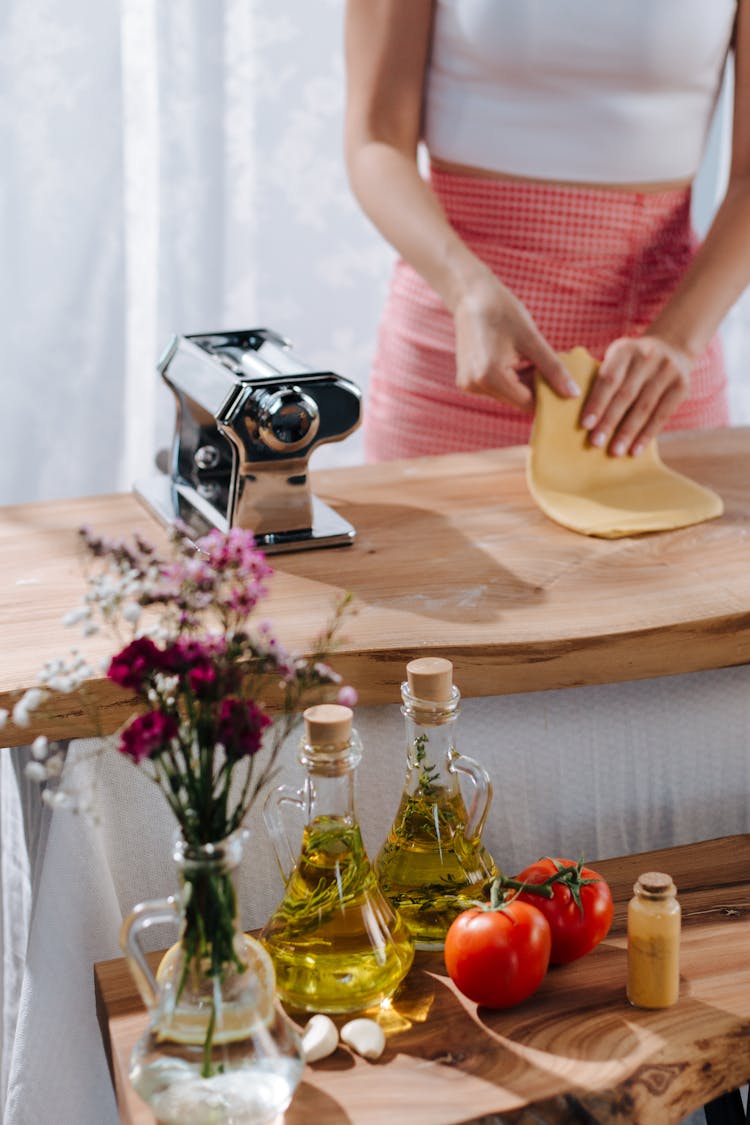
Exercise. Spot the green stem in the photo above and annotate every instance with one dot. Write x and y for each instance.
(208, 1067)
(504, 882)
(569, 877)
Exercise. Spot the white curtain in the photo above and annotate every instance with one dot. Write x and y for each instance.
(165, 168)
(177, 168)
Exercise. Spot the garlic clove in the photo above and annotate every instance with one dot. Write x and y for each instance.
(365, 1037)
(320, 1038)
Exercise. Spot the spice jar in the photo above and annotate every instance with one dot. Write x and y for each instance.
(654, 942)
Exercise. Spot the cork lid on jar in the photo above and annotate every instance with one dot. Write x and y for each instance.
(430, 678)
(656, 884)
(328, 724)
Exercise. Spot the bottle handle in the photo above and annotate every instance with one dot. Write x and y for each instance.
(480, 804)
(153, 913)
(286, 857)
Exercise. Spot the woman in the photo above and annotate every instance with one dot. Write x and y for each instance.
(563, 139)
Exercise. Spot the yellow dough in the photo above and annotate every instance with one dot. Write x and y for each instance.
(587, 490)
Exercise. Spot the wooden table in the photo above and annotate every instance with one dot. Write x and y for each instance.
(575, 1052)
(452, 557)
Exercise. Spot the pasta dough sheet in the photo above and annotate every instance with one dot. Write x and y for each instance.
(588, 491)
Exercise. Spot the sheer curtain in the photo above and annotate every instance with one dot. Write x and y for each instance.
(176, 168)
(166, 168)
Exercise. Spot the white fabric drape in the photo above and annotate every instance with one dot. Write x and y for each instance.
(165, 168)
(177, 168)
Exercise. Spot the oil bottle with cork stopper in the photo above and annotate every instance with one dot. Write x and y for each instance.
(336, 942)
(433, 863)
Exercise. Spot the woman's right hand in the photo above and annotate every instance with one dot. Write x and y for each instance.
(497, 344)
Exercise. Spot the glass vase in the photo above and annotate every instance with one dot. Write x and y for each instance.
(218, 1049)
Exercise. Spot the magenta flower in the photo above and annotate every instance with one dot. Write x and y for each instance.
(147, 735)
(196, 660)
(189, 653)
(202, 678)
(240, 727)
(132, 666)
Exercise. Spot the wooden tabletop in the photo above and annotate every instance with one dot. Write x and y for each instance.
(576, 1051)
(452, 557)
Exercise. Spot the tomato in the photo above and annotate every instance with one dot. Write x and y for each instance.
(576, 929)
(498, 957)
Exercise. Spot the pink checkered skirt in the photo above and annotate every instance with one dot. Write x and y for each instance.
(590, 265)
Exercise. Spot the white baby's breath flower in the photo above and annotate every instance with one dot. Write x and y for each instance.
(54, 765)
(90, 629)
(51, 666)
(61, 683)
(166, 684)
(21, 716)
(28, 702)
(35, 771)
(58, 798)
(131, 613)
(40, 747)
(32, 698)
(75, 616)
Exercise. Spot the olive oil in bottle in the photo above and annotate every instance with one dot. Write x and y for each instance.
(336, 942)
(433, 864)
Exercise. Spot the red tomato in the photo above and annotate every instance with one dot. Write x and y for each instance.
(498, 957)
(575, 929)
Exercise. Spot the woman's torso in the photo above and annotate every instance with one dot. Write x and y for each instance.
(576, 91)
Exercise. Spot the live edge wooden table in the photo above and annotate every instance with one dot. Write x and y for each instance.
(576, 1052)
(451, 558)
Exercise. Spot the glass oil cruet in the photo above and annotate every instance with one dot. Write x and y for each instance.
(433, 864)
(336, 942)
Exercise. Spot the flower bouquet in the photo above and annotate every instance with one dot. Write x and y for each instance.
(205, 735)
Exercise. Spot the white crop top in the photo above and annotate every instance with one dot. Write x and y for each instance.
(597, 91)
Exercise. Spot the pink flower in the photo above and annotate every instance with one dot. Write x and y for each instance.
(135, 663)
(326, 673)
(235, 560)
(240, 727)
(347, 697)
(147, 735)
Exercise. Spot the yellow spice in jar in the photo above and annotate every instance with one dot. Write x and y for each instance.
(654, 918)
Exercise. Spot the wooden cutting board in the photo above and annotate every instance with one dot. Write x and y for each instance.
(574, 1052)
(452, 557)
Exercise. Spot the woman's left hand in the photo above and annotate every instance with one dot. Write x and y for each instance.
(641, 382)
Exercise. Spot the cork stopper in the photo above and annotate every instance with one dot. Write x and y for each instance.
(328, 724)
(430, 677)
(655, 883)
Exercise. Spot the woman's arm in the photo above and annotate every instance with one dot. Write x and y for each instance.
(387, 50)
(642, 381)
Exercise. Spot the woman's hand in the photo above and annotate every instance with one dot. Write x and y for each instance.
(497, 343)
(640, 384)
